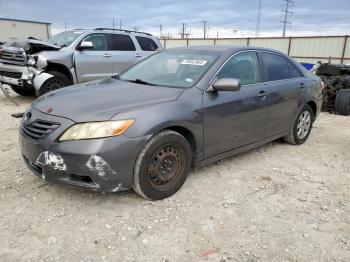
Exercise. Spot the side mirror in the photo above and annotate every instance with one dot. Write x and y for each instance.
(86, 45)
(226, 84)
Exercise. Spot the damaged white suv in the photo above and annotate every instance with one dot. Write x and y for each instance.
(36, 67)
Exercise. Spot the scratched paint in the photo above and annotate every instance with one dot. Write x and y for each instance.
(118, 188)
(53, 160)
(99, 165)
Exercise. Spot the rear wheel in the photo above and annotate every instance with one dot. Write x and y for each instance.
(24, 90)
(162, 166)
(302, 127)
(342, 102)
(58, 81)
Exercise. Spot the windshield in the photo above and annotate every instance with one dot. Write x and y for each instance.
(175, 68)
(65, 38)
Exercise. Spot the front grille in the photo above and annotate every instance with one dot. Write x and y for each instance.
(17, 58)
(16, 75)
(39, 129)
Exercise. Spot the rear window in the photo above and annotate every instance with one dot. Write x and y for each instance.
(276, 67)
(147, 44)
(121, 43)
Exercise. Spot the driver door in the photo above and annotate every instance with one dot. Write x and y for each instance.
(235, 119)
(94, 63)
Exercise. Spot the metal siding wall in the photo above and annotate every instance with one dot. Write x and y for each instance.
(192, 42)
(236, 41)
(278, 44)
(22, 30)
(317, 47)
(171, 43)
(303, 49)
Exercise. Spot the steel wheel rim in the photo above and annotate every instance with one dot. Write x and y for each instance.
(304, 124)
(54, 84)
(165, 167)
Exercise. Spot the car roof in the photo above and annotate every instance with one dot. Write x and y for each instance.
(225, 48)
(113, 31)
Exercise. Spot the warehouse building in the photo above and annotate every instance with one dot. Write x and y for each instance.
(14, 29)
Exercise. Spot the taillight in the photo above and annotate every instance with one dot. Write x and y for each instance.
(322, 85)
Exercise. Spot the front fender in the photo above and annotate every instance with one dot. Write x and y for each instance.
(40, 79)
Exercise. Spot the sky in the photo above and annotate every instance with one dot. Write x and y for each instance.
(227, 18)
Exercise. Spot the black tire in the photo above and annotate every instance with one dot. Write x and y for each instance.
(58, 81)
(342, 102)
(293, 138)
(162, 166)
(23, 90)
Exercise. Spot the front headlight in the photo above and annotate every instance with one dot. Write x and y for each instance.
(96, 130)
(32, 60)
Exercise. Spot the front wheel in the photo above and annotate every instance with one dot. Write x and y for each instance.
(302, 127)
(162, 166)
(23, 90)
(58, 81)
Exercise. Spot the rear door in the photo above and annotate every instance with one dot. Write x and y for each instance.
(123, 52)
(284, 85)
(235, 119)
(147, 47)
(91, 64)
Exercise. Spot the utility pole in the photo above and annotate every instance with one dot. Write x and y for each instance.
(217, 34)
(65, 26)
(120, 24)
(204, 29)
(257, 32)
(113, 22)
(135, 28)
(160, 31)
(183, 33)
(287, 13)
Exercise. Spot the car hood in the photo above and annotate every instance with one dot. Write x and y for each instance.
(102, 99)
(30, 46)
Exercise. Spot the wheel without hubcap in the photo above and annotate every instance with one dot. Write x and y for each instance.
(166, 165)
(162, 165)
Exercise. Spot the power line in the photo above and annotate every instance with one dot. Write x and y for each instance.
(287, 14)
(257, 32)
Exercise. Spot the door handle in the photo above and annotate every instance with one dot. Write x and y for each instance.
(138, 55)
(262, 94)
(107, 55)
(302, 85)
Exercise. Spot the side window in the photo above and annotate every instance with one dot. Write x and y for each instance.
(276, 66)
(121, 43)
(243, 66)
(99, 42)
(147, 44)
(294, 72)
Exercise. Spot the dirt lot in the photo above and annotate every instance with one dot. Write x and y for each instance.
(275, 203)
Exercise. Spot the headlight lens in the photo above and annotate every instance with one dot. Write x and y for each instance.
(96, 130)
(32, 60)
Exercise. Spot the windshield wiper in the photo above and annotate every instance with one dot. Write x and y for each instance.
(143, 82)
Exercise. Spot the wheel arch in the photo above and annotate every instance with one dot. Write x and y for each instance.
(189, 136)
(51, 66)
(313, 106)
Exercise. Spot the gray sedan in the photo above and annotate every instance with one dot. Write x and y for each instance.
(176, 110)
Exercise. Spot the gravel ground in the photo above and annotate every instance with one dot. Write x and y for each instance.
(275, 203)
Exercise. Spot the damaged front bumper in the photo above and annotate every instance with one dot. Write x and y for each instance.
(17, 75)
(104, 165)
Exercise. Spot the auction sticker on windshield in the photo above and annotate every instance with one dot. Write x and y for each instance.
(193, 62)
